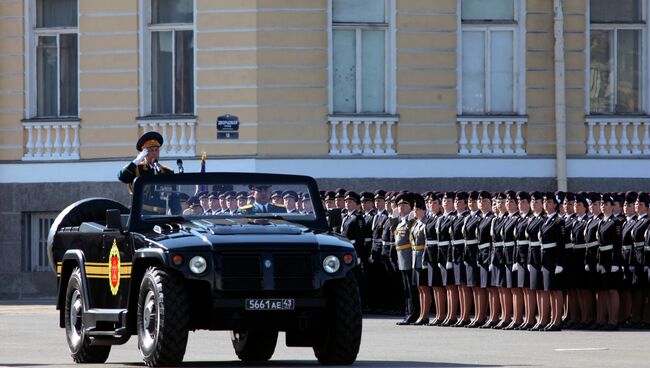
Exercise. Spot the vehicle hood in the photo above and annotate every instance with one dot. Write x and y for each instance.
(243, 233)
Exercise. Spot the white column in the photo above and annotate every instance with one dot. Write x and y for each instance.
(473, 148)
(334, 141)
(591, 141)
(646, 137)
(390, 149)
(507, 141)
(485, 139)
(378, 143)
(75, 141)
(355, 138)
(636, 142)
(66, 140)
(182, 146)
(191, 144)
(367, 143)
(602, 142)
(56, 150)
(163, 133)
(345, 141)
(39, 141)
(496, 139)
(47, 145)
(519, 139)
(625, 141)
(30, 142)
(173, 142)
(462, 142)
(613, 140)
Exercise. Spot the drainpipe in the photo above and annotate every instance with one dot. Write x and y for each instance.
(560, 97)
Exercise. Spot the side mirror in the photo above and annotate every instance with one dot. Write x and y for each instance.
(114, 219)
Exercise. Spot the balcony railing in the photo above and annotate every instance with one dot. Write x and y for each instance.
(178, 135)
(362, 135)
(491, 135)
(51, 140)
(618, 135)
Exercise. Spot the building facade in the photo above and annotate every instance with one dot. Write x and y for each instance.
(413, 94)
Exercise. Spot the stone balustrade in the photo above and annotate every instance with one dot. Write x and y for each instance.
(363, 135)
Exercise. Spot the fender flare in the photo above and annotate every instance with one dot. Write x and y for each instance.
(74, 257)
(146, 256)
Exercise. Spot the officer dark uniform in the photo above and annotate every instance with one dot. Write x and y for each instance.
(443, 227)
(551, 235)
(260, 208)
(591, 243)
(457, 247)
(367, 230)
(395, 295)
(498, 258)
(520, 265)
(576, 264)
(334, 215)
(377, 274)
(430, 259)
(535, 247)
(484, 237)
(638, 257)
(470, 257)
(133, 170)
(628, 241)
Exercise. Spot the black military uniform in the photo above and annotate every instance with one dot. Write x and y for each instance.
(522, 246)
(591, 245)
(377, 274)
(353, 225)
(456, 254)
(610, 255)
(443, 230)
(497, 256)
(569, 246)
(535, 246)
(509, 241)
(389, 260)
(638, 257)
(470, 258)
(551, 235)
(576, 265)
(132, 170)
(628, 241)
(484, 243)
(333, 215)
(404, 250)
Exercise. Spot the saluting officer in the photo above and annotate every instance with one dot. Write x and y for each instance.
(146, 163)
(418, 241)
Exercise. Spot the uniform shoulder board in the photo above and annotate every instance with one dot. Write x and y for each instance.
(280, 205)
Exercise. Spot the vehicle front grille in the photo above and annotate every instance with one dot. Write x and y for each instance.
(246, 271)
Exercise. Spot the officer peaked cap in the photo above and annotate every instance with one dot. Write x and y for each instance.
(380, 194)
(630, 197)
(484, 194)
(523, 195)
(367, 197)
(473, 195)
(449, 195)
(607, 198)
(593, 197)
(340, 192)
(644, 198)
(462, 196)
(511, 195)
(551, 196)
(290, 194)
(570, 197)
(404, 197)
(418, 201)
(276, 194)
(149, 139)
(352, 196)
(536, 195)
(330, 195)
(582, 197)
(242, 195)
(560, 195)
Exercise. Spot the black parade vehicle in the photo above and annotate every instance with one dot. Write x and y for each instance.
(163, 268)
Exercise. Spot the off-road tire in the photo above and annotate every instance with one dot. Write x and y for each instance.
(162, 318)
(340, 339)
(79, 343)
(254, 346)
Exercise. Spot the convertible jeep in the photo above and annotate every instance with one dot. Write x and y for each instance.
(159, 270)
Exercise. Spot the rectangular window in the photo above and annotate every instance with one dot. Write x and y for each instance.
(489, 68)
(56, 58)
(616, 34)
(38, 228)
(359, 57)
(172, 57)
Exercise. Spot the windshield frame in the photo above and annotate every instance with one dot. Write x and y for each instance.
(136, 223)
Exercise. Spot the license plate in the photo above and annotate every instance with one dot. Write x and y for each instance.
(270, 304)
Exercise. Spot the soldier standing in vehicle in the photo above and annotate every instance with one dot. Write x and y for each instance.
(146, 163)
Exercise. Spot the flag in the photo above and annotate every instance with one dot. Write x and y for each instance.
(202, 187)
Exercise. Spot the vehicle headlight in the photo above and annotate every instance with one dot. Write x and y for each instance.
(198, 264)
(331, 264)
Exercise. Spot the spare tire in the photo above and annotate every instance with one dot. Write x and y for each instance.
(85, 210)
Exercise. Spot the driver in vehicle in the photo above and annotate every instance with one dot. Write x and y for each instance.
(262, 204)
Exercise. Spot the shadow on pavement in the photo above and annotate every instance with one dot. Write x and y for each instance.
(314, 363)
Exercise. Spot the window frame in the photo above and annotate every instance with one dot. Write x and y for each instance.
(32, 35)
(518, 28)
(35, 241)
(146, 29)
(642, 26)
(390, 56)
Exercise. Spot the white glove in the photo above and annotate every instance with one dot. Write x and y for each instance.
(141, 156)
(631, 269)
(449, 265)
(601, 269)
(614, 269)
(558, 269)
(491, 268)
(529, 268)
(466, 263)
(515, 267)
(647, 270)
(440, 265)
(587, 268)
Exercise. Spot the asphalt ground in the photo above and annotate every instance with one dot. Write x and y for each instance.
(30, 336)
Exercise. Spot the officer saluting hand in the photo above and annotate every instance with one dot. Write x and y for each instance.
(146, 163)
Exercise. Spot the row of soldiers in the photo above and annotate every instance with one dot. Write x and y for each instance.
(233, 202)
(539, 261)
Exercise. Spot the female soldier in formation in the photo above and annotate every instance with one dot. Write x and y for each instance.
(497, 301)
(456, 262)
(509, 241)
(580, 276)
(418, 241)
(483, 258)
(535, 256)
(444, 240)
(551, 235)
(431, 260)
(591, 248)
(609, 254)
(472, 274)
(520, 267)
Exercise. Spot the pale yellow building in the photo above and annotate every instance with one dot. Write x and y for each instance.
(419, 94)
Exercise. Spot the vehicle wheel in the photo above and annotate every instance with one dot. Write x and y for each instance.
(162, 318)
(79, 343)
(254, 346)
(341, 337)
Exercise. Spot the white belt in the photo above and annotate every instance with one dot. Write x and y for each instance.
(606, 247)
(377, 241)
(646, 248)
(535, 244)
(387, 243)
(471, 242)
(627, 247)
(549, 245)
(431, 242)
(484, 245)
(580, 246)
(569, 246)
(592, 244)
(498, 244)
(523, 242)
(367, 239)
(639, 244)
(443, 243)
(458, 242)
(509, 244)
